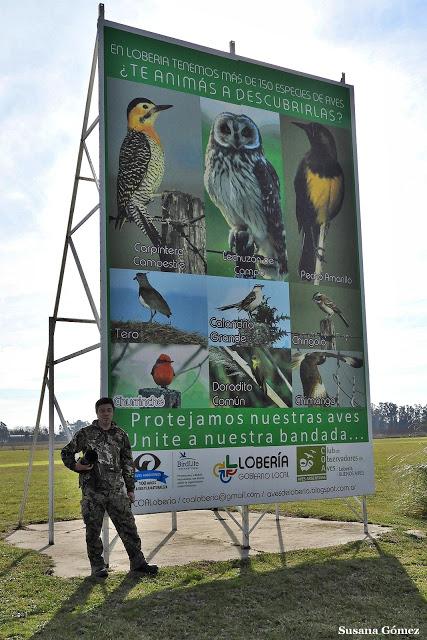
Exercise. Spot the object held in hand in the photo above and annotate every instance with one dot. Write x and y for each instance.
(89, 457)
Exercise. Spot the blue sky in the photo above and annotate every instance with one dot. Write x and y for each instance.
(46, 50)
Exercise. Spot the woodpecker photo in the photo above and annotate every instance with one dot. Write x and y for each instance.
(162, 371)
(245, 187)
(141, 166)
(150, 298)
(328, 306)
(250, 303)
(319, 191)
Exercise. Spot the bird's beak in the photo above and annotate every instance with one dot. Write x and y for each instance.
(302, 125)
(162, 107)
(353, 362)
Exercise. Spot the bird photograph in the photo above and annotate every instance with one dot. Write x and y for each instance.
(328, 307)
(157, 307)
(162, 371)
(150, 298)
(248, 312)
(319, 313)
(154, 187)
(244, 186)
(250, 377)
(319, 192)
(259, 373)
(172, 370)
(141, 166)
(250, 303)
(311, 379)
(323, 377)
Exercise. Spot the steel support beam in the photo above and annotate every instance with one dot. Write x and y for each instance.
(51, 429)
(48, 373)
(78, 353)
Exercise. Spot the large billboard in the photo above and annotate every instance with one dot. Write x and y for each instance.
(233, 330)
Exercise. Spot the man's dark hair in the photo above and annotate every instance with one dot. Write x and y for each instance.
(103, 401)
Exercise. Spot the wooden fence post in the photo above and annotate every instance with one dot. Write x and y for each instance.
(183, 228)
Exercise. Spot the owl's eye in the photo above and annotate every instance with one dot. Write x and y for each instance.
(246, 132)
(225, 129)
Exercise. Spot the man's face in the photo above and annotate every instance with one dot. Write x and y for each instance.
(105, 414)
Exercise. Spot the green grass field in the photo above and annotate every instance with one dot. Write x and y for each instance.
(303, 595)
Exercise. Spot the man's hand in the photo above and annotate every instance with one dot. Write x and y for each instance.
(82, 467)
(131, 496)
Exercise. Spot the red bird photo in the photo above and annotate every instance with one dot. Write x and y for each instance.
(162, 371)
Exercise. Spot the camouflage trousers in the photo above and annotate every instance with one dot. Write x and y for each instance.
(117, 505)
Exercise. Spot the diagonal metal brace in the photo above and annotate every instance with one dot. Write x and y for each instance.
(91, 212)
(257, 522)
(85, 284)
(78, 353)
(236, 522)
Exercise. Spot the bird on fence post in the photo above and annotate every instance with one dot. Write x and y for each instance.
(245, 187)
(141, 166)
(328, 306)
(319, 190)
(149, 297)
(162, 371)
(250, 303)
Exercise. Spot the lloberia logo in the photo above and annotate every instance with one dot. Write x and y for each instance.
(226, 470)
(146, 468)
(311, 463)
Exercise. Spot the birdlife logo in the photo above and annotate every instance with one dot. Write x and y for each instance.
(146, 468)
(225, 470)
(311, 463)
(186, 462)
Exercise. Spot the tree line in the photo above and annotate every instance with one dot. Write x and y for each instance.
(25, 434)
(390, 419)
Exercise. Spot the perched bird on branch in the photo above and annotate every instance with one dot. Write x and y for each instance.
(245, 187)
(141, 166)
(328, 306)
(250, 303)
(162, 371)
(149, 297)
(319, 190)
(259, 374)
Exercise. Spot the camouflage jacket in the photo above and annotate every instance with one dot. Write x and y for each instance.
(115, 464)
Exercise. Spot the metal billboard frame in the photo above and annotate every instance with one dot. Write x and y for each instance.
(48, 379)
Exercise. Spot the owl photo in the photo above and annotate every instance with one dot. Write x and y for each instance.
(244, 186)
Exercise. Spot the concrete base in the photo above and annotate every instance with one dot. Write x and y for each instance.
(201, 535)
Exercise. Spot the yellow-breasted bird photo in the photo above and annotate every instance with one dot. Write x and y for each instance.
(319, 191)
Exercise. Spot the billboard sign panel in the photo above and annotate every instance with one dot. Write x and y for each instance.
(232, 297)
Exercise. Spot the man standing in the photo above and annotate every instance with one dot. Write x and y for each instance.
(106, 470)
